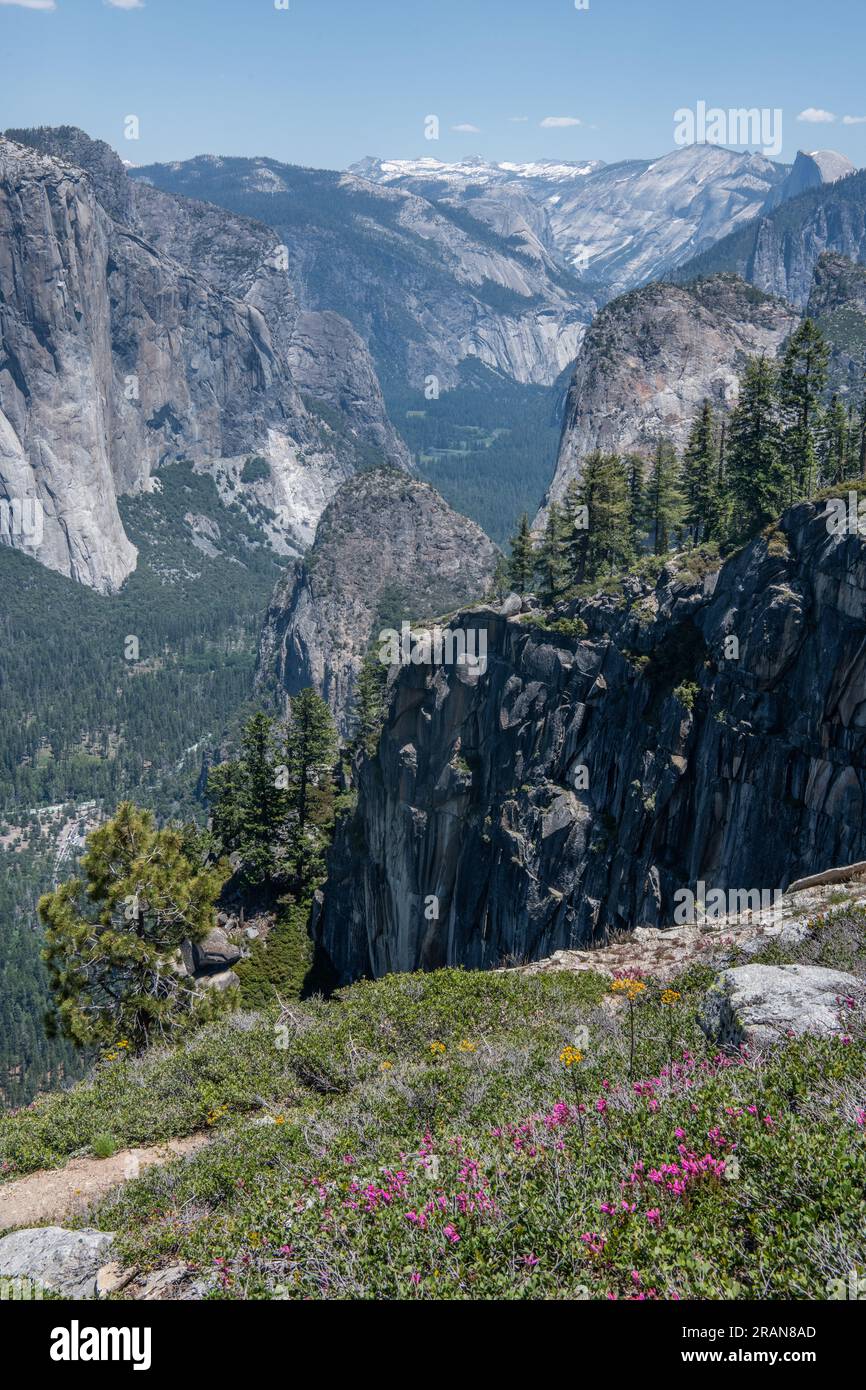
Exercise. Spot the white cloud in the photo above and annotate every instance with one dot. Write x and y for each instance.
(815, 116)
(854, 120)
(557, 122)
(31, 4)
(518, 120)
(467, 129)
(126, 4)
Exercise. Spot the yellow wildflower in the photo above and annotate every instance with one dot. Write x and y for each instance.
(467, 1046)
(385, 1066)
(437, 1047)
(631, 988)
(570, 1056)
(670, 996)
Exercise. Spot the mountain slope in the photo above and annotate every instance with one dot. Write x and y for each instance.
(622, 224)
(778, 251)
(653, 355)
(837, 303)
(425, 285)
(810, 170)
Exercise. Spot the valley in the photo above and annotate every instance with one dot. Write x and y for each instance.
(433, 739)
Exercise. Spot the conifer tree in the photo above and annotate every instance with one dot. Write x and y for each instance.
(551, 556)
(500, 582)
(311, 752)
(248, 802)
(635, 473)
(802, 382)
(664, 497)
(370, 702)
(757, 481)
(700, 476)
(522, 564)
(113, 938)
(836, 442)
(604, 545)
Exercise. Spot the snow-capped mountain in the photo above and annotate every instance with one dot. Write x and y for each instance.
(473, 170)
(617, 224)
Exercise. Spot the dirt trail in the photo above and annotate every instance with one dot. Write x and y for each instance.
(55, 1194)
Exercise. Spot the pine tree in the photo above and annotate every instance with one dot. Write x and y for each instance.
(500, 582)
(802, 382)
(700, 476)
(835, 443)
(635, 474)
(603, 546)
(522, 565)
(311, 752)
(370, 702)
(248, 802)
(664, 497)
(757, 481)
(551, 556)
(113, 939)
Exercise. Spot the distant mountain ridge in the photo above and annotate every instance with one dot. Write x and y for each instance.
(426, 285)
(778, 250)
(618, 224)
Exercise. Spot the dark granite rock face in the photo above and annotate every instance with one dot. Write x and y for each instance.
(577, 786)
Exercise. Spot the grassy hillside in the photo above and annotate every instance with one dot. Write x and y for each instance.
(459, 1135)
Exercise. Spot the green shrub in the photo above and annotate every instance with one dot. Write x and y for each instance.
(255, 470)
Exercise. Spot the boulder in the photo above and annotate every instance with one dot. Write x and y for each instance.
(66, 1262)
(765, 1004)
(216, 952)
(223, 979)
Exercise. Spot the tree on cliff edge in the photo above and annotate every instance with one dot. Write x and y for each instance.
(113, 938)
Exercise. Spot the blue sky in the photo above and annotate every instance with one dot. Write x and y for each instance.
(328, 81)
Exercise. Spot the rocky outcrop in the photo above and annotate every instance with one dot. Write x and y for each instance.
(115, 357)
(837, 303)
(388, 549)
(50, 1257)
(582, 785)
(650, 359)
(330, 362)
(810, 170)
(758, 1005)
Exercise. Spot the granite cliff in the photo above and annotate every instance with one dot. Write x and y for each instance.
(426, 285)
(653, 355)
(116, 356)
(388, 548)
(574, 786)
(778, 250)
